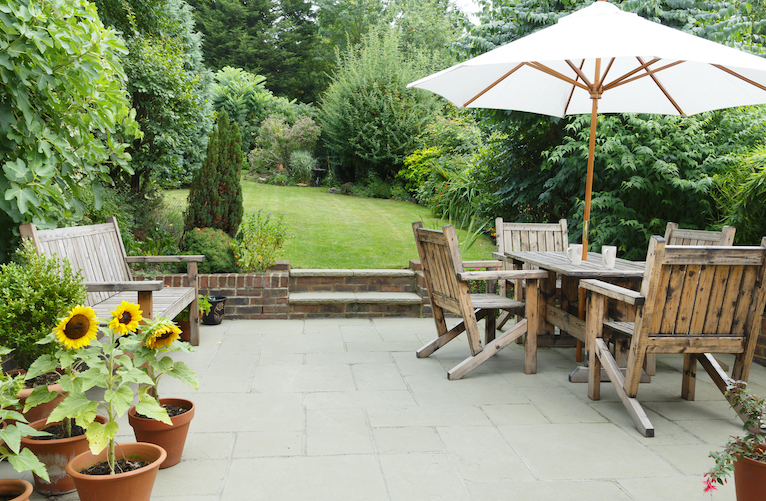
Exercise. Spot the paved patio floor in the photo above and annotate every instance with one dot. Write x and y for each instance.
(341, 409)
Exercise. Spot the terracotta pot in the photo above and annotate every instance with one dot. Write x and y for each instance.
(170, 437)
(750, 478)
(185, 326)
(133, 485)
(15, 487)
(43, 410)
(55, 454)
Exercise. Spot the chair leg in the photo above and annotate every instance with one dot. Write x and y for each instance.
(490, 326)
(429, 348)
(689, 378)
(489, 350)
(593, 331)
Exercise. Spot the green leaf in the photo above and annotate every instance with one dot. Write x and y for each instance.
(26, 460)
(12, 438)
(184, 373)
(120, 399)
(73, 406)
(39, 395)
(43, 365)
(149, 407)
(99, 435)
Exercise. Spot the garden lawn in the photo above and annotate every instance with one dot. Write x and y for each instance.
(340, 231)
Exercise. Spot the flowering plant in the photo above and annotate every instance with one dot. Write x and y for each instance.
(752, 408)
(10, 436)
(107, 365)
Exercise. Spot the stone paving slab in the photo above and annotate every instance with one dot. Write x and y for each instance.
(333, 409)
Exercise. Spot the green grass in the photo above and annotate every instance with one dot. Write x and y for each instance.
(338, 231)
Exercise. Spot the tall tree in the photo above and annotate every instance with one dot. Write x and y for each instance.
(215, 197)
(62, 107)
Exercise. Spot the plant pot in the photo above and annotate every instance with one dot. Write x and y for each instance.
(215, 316)
(170, 437)
(43, 410)
(55, 454)
(15, 487)
(134, 485)
(185, 326)
(750, 478)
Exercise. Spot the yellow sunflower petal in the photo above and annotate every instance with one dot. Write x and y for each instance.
(163, 336)
(78, 329)
(125, 318)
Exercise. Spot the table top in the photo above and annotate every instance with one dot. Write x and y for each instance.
(592, 268)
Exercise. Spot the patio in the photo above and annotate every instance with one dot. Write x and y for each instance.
(342, 409)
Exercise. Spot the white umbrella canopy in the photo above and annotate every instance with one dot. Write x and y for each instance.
(600, 58)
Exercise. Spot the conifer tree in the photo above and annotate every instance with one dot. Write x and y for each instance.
(215, 196)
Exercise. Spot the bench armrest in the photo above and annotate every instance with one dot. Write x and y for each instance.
(483, 264)
(502, 275)
(613, 291)
(165, 259)
(139, 286)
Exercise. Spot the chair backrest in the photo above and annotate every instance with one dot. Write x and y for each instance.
(550, 237)
(703, 291)
(679, 236)
(440, 258)
(96, 250)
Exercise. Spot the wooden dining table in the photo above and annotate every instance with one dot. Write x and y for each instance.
(561, 307)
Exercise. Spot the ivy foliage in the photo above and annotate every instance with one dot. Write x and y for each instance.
(62, 105)
(369, 119)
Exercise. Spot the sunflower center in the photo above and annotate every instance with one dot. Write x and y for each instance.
(77, 327)
(126, 318)
(164, 335)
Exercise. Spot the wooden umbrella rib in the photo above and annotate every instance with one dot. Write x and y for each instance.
(571, 92)
(741, 77)
(581, 75)
(622, 79)
(600, 84)
(662, 88)
(477, 96)
(560, 76)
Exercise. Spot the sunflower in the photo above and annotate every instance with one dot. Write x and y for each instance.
(126, 318)
(162, 335)
(78, 329)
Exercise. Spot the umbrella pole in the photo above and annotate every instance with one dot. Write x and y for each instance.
(586, 217)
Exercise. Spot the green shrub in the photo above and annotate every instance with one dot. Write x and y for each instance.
(215, 196)
(259, 241)
(215, 245)
(741, 197)
(36, 292)
(277, 140)
(302, 166)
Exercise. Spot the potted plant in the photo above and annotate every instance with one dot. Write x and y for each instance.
(183, 318)
(744, 455)
(119, 472)
(35, 292)
(14, 427)
(64, 439)
(149, 352)
(214, 315)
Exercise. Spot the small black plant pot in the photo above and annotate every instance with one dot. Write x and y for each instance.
(216, 311)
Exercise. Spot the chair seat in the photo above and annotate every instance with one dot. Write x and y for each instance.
(495, 301)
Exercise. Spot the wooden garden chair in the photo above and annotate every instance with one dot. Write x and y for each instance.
(448, 289)
(97, 251)
(680, 236)
(694, 300)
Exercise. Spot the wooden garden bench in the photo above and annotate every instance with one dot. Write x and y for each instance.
(97, 251)
(447, 283)
(694, 300)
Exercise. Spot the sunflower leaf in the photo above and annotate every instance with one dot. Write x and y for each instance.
(73, 406)
(26, 460)
(183, 373)
(99, 435)
(149, 407)
(120, 399)
(43, 364)
(40, 395)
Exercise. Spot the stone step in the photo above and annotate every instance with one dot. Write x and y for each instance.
(402, 298)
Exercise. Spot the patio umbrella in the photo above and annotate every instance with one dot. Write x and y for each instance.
(603, 59)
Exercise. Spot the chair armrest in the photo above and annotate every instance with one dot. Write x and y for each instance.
(139, 286)
(502, 275)
(482, 264)
(613, 291)
(165, 259)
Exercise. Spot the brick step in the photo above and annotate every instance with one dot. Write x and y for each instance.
(352, 281)
(354, 298)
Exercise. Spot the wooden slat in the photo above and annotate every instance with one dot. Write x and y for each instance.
(672, 302)
(730, 298)
(695, 344)
(744, 301)
(731, 256)
(702, 304)
(688, 297)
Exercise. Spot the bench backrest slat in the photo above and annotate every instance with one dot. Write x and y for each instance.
(96, 250)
